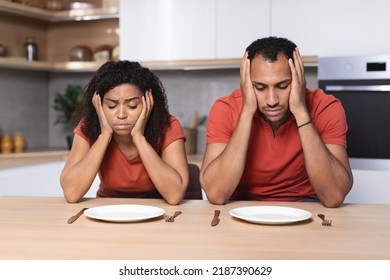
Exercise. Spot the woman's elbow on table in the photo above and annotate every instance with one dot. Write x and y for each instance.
(176, 198)
(70, 195)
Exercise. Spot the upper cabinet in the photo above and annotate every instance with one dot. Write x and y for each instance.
(332, 27)
(161, 30)
(351, 27)
(297, 21)
(165, 30)
(153, 30)
(238, 23)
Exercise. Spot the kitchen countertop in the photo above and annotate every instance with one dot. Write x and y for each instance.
(46, 156)
(31, 158)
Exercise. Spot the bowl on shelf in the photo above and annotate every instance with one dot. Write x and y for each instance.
(81, 53)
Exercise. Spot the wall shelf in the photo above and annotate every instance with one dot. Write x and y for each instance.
(92, 66)
(58, 16)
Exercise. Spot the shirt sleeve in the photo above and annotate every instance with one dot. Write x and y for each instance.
(221, 123)
(79, 132)
(173, 133)
(331, 121)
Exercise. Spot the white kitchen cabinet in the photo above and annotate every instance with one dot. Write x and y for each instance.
(239, 23)
(153, 30)
(297, 21)
(351, 27)
(191, 29)
(37, 180)
(167, 29)
(370, 181)
(333, 27)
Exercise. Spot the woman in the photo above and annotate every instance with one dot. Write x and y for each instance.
(127, 135)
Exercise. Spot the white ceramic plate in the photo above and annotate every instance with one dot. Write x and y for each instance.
(124, 213)
(270, 214)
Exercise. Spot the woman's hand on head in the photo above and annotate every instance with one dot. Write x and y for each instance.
(147, 103)
(104, 125)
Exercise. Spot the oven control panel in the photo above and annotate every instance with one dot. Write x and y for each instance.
(354, 67)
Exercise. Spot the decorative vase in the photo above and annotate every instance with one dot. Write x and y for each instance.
(19, 142)
(6, 144)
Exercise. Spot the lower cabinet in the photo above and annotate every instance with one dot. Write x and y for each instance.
(36, 180)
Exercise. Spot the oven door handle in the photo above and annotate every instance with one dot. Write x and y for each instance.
(358, 88)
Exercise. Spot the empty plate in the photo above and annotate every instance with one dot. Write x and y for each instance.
(124, 213)
(270, 214)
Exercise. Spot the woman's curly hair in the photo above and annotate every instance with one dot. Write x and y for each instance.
(115, 73)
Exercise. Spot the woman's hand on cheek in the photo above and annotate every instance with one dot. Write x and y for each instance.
(147, 106)
(104, 125)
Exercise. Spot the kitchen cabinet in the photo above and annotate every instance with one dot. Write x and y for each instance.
(370, 181)
(189, 34)
(155, 30)
(353, 27)
(239, 23)
(37, 180)
(92, 27)
(191, 30)
(297, 21)
(333, 28)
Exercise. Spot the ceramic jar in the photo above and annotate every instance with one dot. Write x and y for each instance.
(19, 142)
(6, 144)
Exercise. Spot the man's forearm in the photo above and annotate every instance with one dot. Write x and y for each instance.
(327, 167)
(223, 173)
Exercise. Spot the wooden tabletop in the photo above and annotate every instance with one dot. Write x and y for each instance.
(37, 228)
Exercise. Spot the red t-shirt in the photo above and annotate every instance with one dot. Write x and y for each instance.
(275, 167)
(120, 177)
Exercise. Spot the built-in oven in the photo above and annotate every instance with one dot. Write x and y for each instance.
(362, 83)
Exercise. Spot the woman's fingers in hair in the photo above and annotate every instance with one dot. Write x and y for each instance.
(149, 98)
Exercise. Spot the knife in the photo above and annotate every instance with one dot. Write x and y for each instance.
(75, 217)
(215, 220)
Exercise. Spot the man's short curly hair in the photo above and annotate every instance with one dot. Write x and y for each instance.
(270, 48)
(115, 73)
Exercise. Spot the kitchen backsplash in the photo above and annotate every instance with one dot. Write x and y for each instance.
(27, 96)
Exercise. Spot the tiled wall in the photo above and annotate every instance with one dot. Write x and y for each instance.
(26, 98)
(24, 105)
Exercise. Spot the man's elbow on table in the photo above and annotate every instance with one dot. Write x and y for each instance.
(216, 197)
(333, 201)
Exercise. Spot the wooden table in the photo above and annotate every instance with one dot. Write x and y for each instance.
(37, 228)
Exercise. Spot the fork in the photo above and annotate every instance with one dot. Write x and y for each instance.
(325, 222)
(171, 219)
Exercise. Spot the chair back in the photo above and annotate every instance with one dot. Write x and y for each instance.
(194, 190)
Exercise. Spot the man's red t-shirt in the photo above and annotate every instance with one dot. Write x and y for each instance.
(275, 167)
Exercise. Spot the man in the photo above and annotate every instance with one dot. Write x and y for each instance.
(273, 139)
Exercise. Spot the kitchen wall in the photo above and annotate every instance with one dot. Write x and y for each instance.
(26, 98)
(24, 105)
